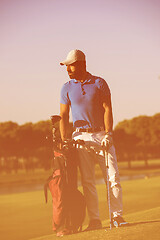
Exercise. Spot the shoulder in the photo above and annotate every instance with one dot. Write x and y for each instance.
(102, 85)
(99, 81)
(66, 86)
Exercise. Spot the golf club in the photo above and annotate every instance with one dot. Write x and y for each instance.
(106, 147)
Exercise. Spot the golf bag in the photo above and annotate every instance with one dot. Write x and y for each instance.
(69, 206)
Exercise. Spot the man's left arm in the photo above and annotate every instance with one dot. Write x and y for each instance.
(108, 121)
(108, 116)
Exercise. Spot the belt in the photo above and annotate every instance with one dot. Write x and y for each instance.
(90, 130)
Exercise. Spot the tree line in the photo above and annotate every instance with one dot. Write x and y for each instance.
(29, 146)
(138, 138)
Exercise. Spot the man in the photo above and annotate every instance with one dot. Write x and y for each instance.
(90, 100)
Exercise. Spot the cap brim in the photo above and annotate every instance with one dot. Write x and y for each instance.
(67, 62)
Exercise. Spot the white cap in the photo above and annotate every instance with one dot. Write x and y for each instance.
(73, 56)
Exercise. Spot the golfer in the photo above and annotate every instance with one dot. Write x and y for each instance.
(89, 98)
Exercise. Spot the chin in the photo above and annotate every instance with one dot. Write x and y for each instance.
(71, 76)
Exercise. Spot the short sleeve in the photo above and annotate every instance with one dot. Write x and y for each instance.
(64, 99)
(104, 89)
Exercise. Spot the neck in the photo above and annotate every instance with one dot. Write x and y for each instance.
(82, 78)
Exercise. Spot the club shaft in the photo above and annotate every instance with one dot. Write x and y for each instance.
(108, 186)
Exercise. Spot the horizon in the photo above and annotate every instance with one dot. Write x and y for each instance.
(20, 124)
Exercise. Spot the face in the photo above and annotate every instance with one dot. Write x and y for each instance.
(76, 70)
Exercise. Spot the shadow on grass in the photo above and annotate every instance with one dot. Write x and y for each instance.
(146, 222)
(149, 167)
(136, 223)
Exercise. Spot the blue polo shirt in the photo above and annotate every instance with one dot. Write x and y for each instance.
(86, 101)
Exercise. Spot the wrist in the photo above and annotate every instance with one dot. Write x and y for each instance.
(109, 133)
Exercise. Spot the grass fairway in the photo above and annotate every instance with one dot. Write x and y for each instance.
(25, 216)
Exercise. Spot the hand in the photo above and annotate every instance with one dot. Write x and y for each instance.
(107, 140)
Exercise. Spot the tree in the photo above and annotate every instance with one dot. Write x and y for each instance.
(125, 144)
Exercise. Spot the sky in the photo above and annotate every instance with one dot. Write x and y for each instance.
(121, 40)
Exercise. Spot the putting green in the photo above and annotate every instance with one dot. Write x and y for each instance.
(25, 216)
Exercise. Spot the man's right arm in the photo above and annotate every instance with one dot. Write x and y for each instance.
(64, 122)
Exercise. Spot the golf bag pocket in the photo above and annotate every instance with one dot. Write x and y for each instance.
(56, 187)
